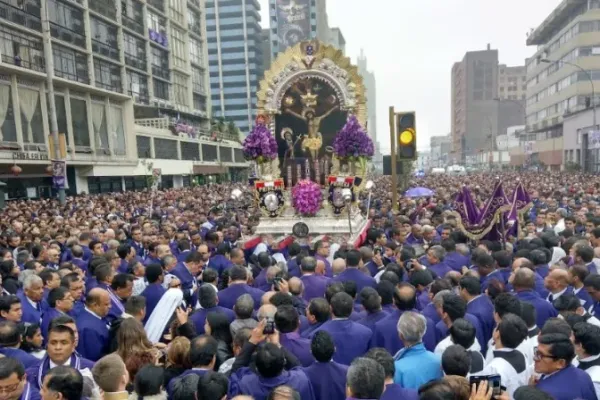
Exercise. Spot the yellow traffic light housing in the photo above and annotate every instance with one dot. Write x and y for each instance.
(407, 136)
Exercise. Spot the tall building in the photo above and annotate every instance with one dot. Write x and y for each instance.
(336, 39)
(479, 113)
(371, 87)
(512, 82)
(130, 92)
(558, 90)
(266, 49)
(293, 21)
(439, 148)
(235, 59)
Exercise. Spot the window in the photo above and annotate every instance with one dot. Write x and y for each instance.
(143, 147)
(70, 64)
(22, 50)
(104, 39)
(165, 149)
(132, 12)
(137, 87)
(161, 89)
(108, 76)
(65, 16)
(189, 151)
(135, 52)
(194, 22)
(160, 62)
(180, 89)
(157, 23)
(197, 80)
(80, 122)
(176, 8)
(196, 52)
(178, 48)
(199, 102)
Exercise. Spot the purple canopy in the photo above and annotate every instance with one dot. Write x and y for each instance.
(419, 192)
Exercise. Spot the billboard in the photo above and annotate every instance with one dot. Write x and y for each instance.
(293, 22)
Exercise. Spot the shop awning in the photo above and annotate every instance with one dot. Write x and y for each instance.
(209, 170)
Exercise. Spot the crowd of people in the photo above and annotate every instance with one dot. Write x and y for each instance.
(156, 295)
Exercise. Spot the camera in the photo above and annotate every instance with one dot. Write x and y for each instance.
(494, 382)
(269, 326)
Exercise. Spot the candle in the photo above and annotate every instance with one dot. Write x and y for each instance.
(298, 172)
(317, 174)
(289, 176)
(307, 165)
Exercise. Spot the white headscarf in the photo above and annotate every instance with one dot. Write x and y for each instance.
(156, 324)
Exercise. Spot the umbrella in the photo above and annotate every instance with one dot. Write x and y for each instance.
(419, 192)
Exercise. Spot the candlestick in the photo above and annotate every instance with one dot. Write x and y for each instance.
(317, 174)
(298, 172)
(307, 166)
(289, 176)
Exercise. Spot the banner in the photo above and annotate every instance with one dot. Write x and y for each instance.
(59, 174)
(293, 22)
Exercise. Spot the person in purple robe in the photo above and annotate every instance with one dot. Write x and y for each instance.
(351, 339)
(317, 313)
(385, 333)
(220, 260)
(421, 279)
(435, 257)
(453, 308)
(120, 289)
(295, 260)
(60, 351)
(524, 283)
(155, 290)
(136, 242)
(577, 275)
(202, 357)
(238, 285)
(454, 259)
(187, 272)
(559, 378)
(11, 308)
(208, 299)
(61, 303)
(77, 258)
(288, 324)
(328, 378)
(92, 325)
(314, 284)
(10, 343)
(392, 391)
(74, 284)
(365, 379)
(31, 299)
(430, 310)
(540, 260)
(322, 248)
(371, 302)
(478, 305)
(592, 285)
(12, 375)
(353, 273)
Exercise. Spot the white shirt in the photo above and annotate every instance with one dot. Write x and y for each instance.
(593, 372)
(139, 284)
(53, 365)
(525, 348)
(33, 303)
(560, 226)
(93, 313)
(510, 378)
(447, 342)
(557, 295)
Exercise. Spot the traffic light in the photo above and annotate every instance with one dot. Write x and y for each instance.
(406, 129)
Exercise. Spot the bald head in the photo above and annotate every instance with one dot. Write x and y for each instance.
(266, 311)
(296, 286)
(98, 301)
(557, 280)
(518, 262)
(266, 298)
(320, 269)
(338, 266)
(524, 279)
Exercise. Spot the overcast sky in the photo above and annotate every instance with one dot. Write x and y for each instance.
(411, 46)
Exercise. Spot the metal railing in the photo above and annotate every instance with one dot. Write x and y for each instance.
(133, 25)
(36, 65)
(156, 123)
(72, 77)
(135, 62)
(161, 72)
(158, 4)
(109, 86)
(67, 35)
(110, 51)
(29, 19)
(104, 7)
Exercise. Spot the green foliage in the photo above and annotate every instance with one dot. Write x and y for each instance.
(572, 166)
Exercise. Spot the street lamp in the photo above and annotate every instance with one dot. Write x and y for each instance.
(589, 75)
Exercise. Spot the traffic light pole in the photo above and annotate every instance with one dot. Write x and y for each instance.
(393, 159)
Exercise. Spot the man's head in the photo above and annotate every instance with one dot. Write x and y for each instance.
(12, 378)
(244, 306)
(462, 332)
(557, 280)
(411, 328)
(554, 353)
(587, 340)
(61, 299)
(73, 283)
(136, 307)
(122, 285)
(98, 301)
(342, 305)
(212, 386)
(11, 308)
(110, 374)
(270, 361)
(61, 343)
(470, 287)
(504, 304)
(385, 359)
(9, 334)
(511, 332)
(365, 379)
(456, 360)
(62, 383)
(203, 352)
(286, 319)
(322, 346)
(318, 311)
(33, 286)
(370, 300)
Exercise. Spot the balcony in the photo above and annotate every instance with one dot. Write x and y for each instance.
(67, 35)
(113, 86)
(133, 25)
(110, 51)
(195, 28)
(135, 62)
(161, 72)
(106, 8)
(158, 4)
(29, 16)
(76, 76)
(36, 64)
(140, 98)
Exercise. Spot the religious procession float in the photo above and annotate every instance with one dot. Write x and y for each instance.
(309, 147)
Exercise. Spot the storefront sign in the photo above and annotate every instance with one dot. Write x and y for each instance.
(29, 155)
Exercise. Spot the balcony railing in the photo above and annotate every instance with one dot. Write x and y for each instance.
(67, 35)
(104, 7)
(28, 17)
(161, 72)
(141, 98)
(183, 130)
(109, 86)
(110, 51)
(158, 4)
(133, 25)
(37, 64)
(196, 29)
(82, 78)
(135, 62)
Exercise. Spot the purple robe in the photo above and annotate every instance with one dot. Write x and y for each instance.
(153, 293)
(83, 265)
(260, 281)
(456, 261)
(47, 318)
(423, 299)
(293, 268)
(306, 331)
(430, 312)
(442, 331)
(483, 308)
(544, 309)
(568, 384)
(93, 332)
(151, 260)
(328, 380)
(314, 286)
(31, 314)
(298, 346)
(328, 269)
(351, 339)
(228, 297)
(584, 298)
(440, 269)
(543, 270)
(361, 279)
(220, 263)
(26, 359)
(30, 393)
(199, 316)
(393, 391)
(371, 319)
(35, 375)
(249, 383)
(386, 333)
(188, 281)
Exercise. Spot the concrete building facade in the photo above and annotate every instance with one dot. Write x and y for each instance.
(336, 39)
(440, 148)
(371, 86)
(512, 83)
(235, 48)
(558, 78)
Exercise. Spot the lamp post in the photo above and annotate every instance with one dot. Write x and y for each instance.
(589, 76)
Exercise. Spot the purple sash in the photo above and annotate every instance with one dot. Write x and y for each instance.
(74, 362)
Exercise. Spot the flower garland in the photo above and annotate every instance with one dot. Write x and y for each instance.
(352, 141)
(260, 145)
(306, 198)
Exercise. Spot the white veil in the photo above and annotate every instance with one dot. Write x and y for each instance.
(156, 324)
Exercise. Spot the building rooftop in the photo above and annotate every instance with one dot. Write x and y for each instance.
(552, 23)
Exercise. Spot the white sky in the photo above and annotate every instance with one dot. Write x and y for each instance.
(411, 46)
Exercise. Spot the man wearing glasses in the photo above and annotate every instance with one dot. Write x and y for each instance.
(13, 383)
(559, 378)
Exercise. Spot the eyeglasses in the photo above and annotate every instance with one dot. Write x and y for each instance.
(10, 388)
(538, 355)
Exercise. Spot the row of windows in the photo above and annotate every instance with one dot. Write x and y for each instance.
(564, 83)
(167, 149)
(569, 105)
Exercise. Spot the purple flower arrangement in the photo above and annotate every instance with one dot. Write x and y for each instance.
(307, 198)
(352, 141)
(260, 145)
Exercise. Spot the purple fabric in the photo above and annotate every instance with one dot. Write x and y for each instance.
(465, 206)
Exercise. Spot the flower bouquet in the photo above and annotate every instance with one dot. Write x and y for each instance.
(353, 144)
(260, 145)
(307, 198)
